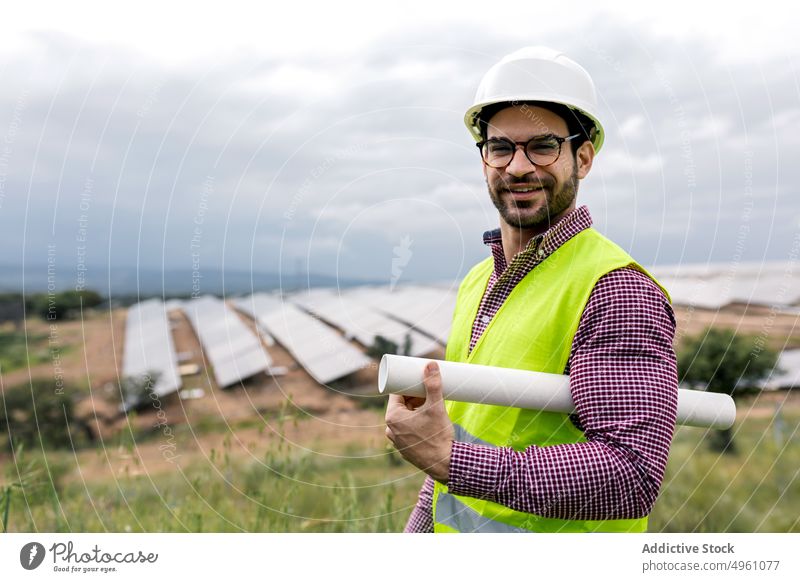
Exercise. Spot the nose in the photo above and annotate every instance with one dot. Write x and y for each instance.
(520, 165)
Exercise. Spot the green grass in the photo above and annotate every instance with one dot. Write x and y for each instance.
(756, 490)
(303, 495)
(17, 351)
(289, 490)
(282, 491)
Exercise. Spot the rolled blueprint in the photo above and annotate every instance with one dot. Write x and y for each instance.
(530, 390)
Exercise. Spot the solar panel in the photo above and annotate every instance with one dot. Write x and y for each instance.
(705, 293)
(714, 286)
(244, 365)
(171, 304)
(427, 309)
(786, 373)
(149, 353)
(324, 354)
(258, 304)
(363, 323)
(231, 348)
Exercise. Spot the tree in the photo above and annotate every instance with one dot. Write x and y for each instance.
(12, 308)
(136, 390)
(64, 305)
(381, 346)
(719, 360)
(39, 410)
(407, 345)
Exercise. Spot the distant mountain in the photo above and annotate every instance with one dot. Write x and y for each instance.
(126, 281)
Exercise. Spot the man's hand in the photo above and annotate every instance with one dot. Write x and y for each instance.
(420, 429)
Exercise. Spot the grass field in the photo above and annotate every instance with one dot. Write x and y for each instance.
(756, 490)
(365, 491)
(19, 350)
(287, 488)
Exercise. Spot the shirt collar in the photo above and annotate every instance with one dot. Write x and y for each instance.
(555, 236)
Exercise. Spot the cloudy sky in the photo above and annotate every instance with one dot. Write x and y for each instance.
(330, 137)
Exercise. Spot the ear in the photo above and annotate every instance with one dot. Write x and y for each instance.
(584, 158)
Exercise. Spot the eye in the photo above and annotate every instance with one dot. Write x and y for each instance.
(498, 147)
(543, 146)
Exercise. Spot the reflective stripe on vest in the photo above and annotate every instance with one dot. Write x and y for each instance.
(463, 436)
(452, 513)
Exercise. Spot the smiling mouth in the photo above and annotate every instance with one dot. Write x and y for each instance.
(526, 192)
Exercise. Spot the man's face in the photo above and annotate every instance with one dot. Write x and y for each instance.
(529, 196)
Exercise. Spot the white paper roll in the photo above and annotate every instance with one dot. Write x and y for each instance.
(531, 390)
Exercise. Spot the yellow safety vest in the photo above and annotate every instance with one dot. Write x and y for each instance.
(532, 330)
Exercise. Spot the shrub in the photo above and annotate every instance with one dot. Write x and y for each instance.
(38, 412)
(719, 360)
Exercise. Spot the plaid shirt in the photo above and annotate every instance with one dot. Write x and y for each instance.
(623, 379)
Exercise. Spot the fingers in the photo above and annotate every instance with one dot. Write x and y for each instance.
(432, 380)
(407, 402)
(414, 402)
(401, 408)
(396, 400)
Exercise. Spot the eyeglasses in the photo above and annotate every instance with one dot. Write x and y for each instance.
(541, 150)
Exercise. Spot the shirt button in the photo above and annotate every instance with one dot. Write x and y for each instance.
(541, 252)
(486, 319)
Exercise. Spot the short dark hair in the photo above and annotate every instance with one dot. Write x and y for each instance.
(576, 121)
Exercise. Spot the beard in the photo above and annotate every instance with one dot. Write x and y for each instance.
(516, 213)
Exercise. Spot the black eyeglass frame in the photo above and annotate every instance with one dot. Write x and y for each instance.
(524, 145)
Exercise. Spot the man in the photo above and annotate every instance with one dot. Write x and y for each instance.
(555, 296)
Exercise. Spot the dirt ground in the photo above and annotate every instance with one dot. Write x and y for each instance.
(88, 352)
(331, 433)
(779, 330)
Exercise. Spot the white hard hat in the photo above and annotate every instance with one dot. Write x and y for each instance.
(537, 74)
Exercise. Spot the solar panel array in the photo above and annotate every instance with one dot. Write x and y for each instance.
(149, 353)
(713, 286)
(361, 322)
(427, 309)
(234, 351)
(421, 313)
(321, 350)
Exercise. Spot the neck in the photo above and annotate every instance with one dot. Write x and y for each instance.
(515, 238)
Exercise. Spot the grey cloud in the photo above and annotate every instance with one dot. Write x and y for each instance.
(298, 170)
